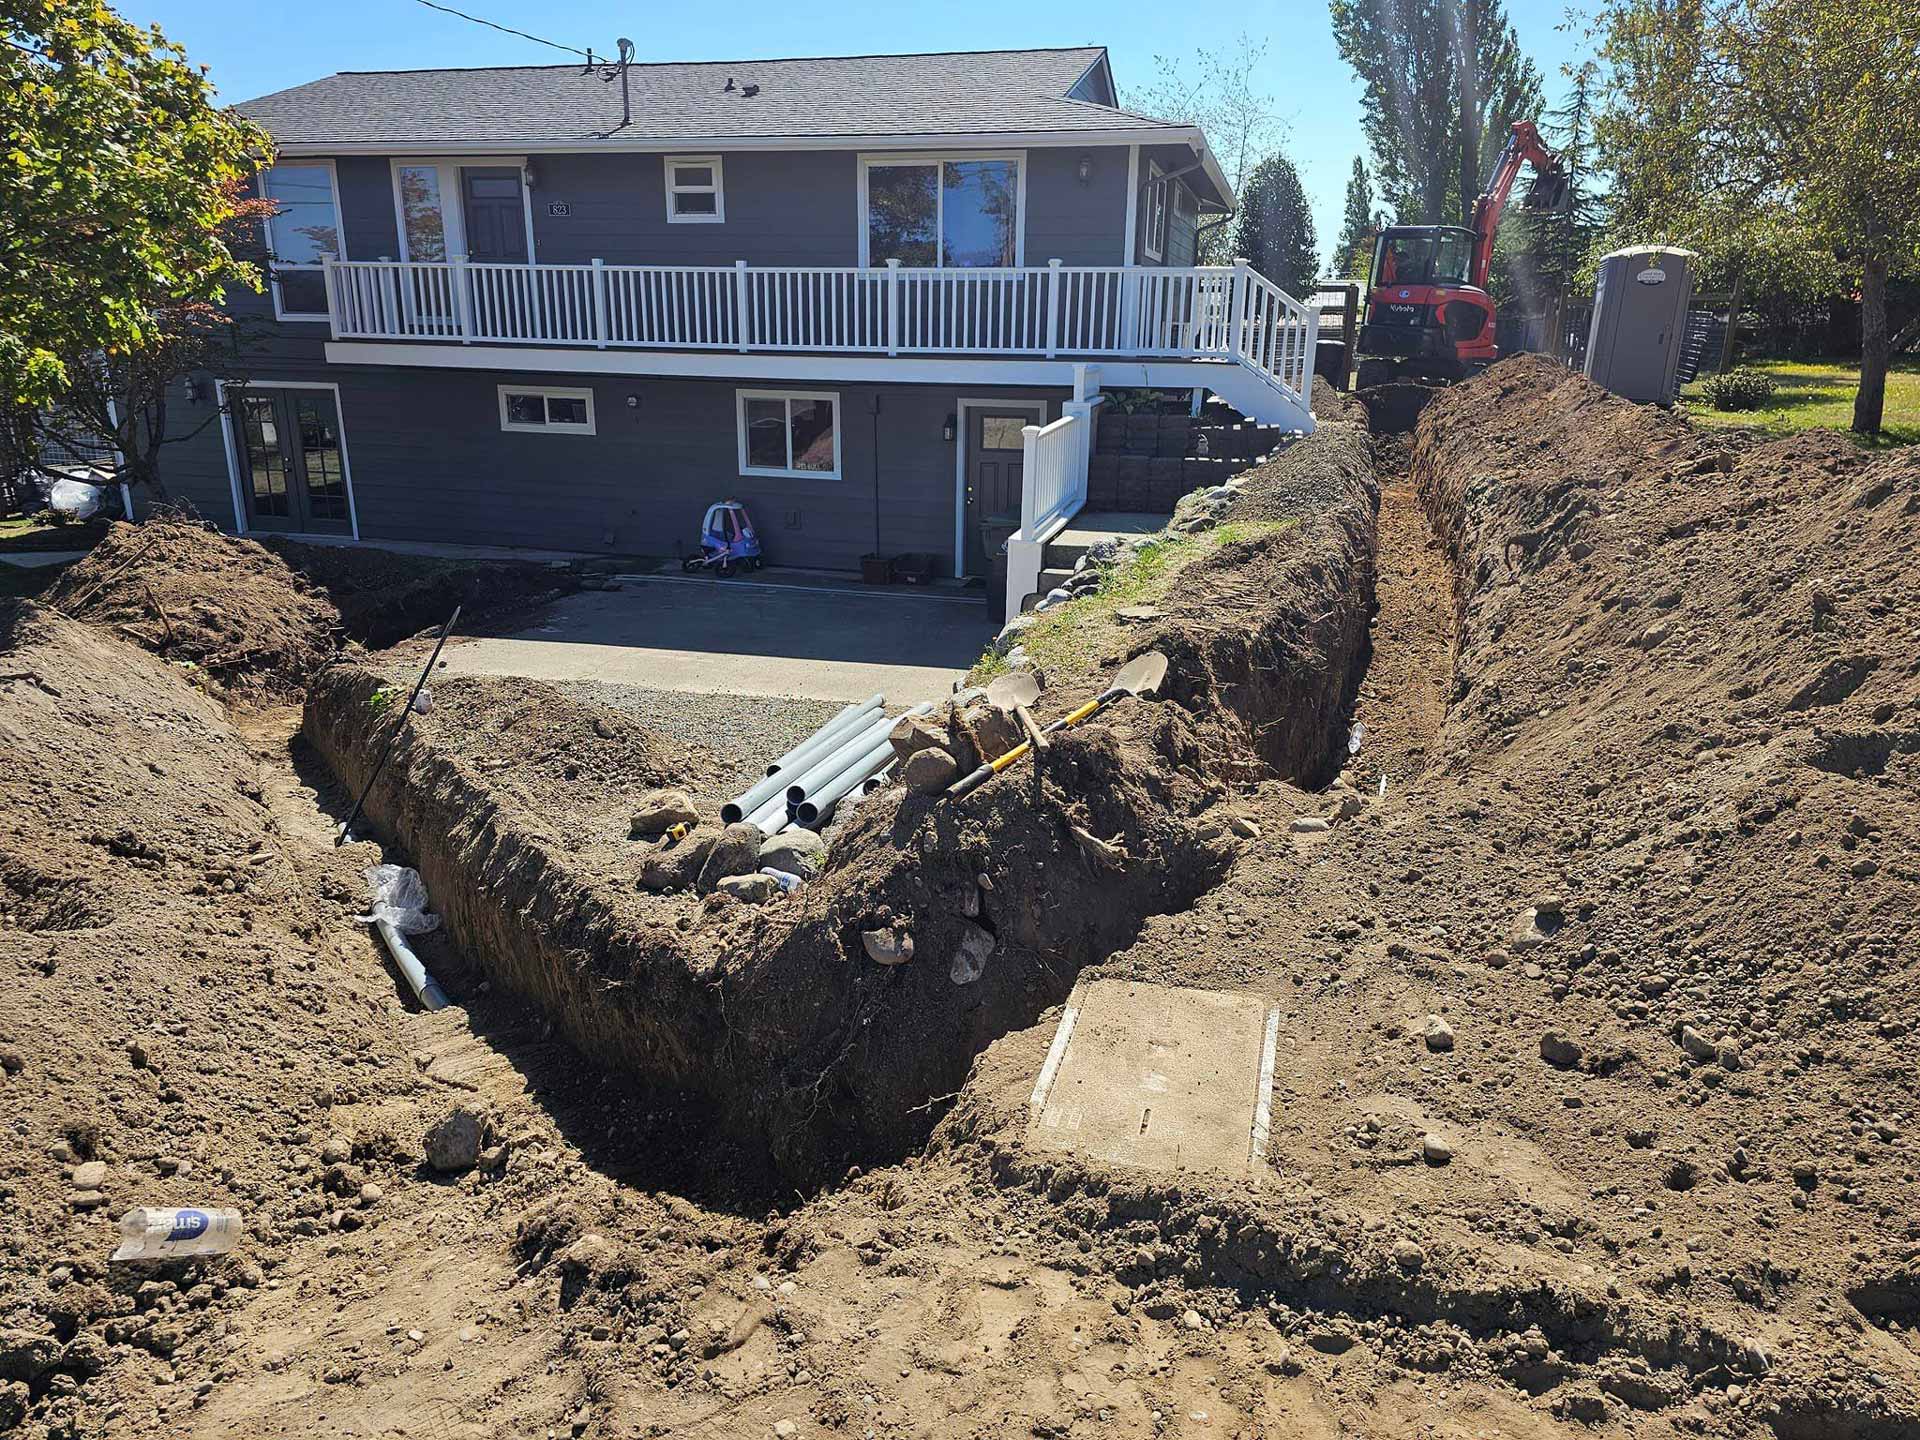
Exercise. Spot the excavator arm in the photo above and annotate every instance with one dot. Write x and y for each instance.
(1550, 189)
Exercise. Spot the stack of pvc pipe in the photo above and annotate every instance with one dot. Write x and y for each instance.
(804, 784)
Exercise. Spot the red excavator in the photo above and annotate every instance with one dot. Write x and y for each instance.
(1428, 313)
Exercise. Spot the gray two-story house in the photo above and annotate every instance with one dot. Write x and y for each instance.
(875, 298)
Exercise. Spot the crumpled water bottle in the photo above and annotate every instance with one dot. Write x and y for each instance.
(151, 1233)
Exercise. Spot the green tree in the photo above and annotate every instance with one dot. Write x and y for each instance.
(1771, 127)
(1359, 223)
(1220, 91)
(1434, 122)
(119, 183)
(1274, 229)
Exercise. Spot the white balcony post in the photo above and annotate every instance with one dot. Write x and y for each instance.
(389, 297)
(1313, 357)
(1053, 308)
(333, 294)
(1237, 306)
(600, 303)
(462, 305)
(741, 308)
(893, 307)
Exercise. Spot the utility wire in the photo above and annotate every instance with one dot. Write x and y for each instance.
(507, 29)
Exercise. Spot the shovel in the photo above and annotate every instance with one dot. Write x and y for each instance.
(1016, 692)
(1139, 676)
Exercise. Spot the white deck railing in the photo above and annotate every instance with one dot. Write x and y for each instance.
(1053, 479)
(1194, 312)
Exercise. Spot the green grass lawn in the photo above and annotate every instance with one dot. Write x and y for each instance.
(1815, 394)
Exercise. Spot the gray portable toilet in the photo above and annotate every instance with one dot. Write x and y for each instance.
(1639, 321)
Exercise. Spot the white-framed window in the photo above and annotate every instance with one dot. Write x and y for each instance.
(1155, 242)
(790, 433)
(696, 193)
(543, 410)
(943, 210)
(304, 226)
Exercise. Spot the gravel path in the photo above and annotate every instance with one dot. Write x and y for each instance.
(741, 732)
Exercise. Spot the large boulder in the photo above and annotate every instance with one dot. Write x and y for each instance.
(736, 852)
(660, 810)
(676, 866)
(913, 733)
(796, 851)
(928, 772)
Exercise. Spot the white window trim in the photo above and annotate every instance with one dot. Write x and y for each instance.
(546, 392)
(1154, 244)
(718, 189)
(741, 397)
(280, 312)
(221, 392)
(933, 161)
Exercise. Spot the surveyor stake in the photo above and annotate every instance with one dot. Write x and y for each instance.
(1139, 676)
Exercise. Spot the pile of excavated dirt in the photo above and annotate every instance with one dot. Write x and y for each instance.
(258, 619)
(1595, 1081)
(775, 1016)
(230, 607)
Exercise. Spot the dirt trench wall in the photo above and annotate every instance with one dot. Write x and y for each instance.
(775, 1018)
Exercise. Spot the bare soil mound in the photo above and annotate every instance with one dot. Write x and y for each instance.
(258, 619)
(228, 606)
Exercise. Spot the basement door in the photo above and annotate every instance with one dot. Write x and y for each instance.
(293, 466)
(996, 457)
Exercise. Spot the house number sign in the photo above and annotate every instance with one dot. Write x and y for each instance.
(559, 209)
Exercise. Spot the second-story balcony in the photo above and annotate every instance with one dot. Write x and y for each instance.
(1068, 312)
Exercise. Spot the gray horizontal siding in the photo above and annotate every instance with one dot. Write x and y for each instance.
(1074, 223)
(430, 462)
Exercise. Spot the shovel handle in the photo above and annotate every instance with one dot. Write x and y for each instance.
(969, 783)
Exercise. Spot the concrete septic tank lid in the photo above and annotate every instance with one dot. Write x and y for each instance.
(1159, 1078)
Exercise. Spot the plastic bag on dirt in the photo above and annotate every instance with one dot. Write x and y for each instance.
(400, 898)
(74, 499)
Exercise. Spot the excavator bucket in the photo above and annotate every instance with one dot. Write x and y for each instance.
(1551, 191)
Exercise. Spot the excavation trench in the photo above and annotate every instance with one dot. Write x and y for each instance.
(512, 798)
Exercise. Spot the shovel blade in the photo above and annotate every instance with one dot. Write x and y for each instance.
(1141, 675)
(1013, 690)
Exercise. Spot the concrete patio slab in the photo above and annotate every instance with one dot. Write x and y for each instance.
(1158, 1077)
(745, 637)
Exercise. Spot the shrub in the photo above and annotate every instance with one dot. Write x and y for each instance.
(1741, 389)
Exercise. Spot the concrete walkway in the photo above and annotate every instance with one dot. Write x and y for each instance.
(745, 637)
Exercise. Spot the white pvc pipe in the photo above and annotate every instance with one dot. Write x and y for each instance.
(798, 758)
(770, 816)
(815, 807)
(425, 987)
(856, 745)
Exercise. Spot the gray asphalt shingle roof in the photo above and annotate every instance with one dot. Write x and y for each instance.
(991, 92)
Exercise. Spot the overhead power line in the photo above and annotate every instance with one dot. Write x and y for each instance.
(507, 29)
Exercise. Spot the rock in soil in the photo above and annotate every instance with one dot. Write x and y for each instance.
(659, 811)
(453, 1144)
(795, 850)
(928, 772)
(748, 889)
(736, 852)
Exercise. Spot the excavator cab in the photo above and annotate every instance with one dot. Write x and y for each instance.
(1424, 316)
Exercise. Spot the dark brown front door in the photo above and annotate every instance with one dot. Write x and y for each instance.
(996, 451)
(496, 216)
(293, 469)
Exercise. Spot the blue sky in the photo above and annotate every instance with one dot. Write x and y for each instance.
(254, 48)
